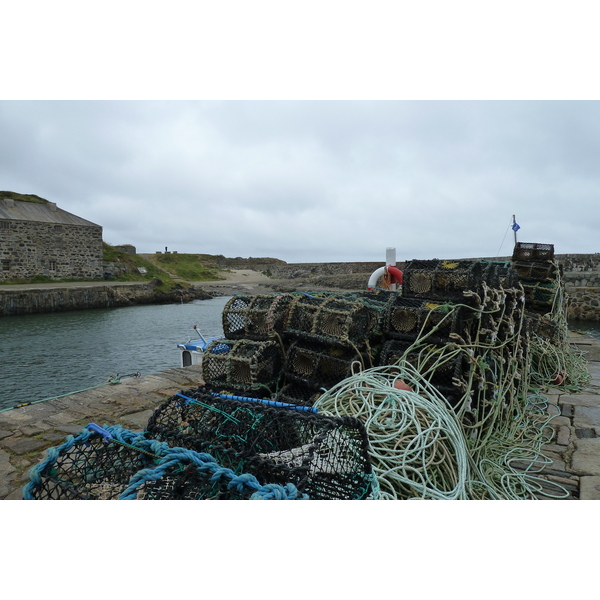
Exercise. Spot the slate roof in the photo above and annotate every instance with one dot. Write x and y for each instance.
(15, 210)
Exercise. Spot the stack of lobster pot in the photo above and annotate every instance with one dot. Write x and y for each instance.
(328, 337)
(249, 359)
(541, 278)
(538, 274)
(446, 305)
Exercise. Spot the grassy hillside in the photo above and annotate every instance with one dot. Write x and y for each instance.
(23, 197)
(191, 267)
(130, 267)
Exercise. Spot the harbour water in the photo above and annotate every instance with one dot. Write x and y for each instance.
(48, 355)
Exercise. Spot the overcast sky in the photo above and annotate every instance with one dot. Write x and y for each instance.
(314, 180)
(309, 140)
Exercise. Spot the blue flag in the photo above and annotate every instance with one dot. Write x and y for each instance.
(515, 226)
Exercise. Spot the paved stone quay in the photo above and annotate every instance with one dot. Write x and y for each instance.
(26, 432)
(575, 446)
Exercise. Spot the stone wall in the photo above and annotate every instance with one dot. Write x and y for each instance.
(58, 299)
(582, 284)
(58, 251)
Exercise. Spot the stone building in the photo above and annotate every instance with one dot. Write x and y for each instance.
(39, 239)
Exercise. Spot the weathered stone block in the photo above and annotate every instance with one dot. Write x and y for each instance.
(563, 436)
(586, 417)
(20, 445)
(586, 458)
(581, 400)
(589, 488)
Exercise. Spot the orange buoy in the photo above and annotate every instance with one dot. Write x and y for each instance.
(400, 385)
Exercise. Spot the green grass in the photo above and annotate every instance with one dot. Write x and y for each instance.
(186, 267)
(23, 197)
(132, 264)
(190, 267)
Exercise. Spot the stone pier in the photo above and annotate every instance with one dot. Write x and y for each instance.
(26, 432)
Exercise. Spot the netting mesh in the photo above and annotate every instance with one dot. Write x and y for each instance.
(527, 251)
(316, 365)
(118, 464)
(255, 317)
(243, 364)
(330, 319)
(441, 279)
(539, 296)
(536, 271)
(409, 318)
(324, 457)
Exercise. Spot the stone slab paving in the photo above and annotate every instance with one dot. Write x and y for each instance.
(575, 446)
(26, 432)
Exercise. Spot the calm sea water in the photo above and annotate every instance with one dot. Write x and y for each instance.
(47, 355)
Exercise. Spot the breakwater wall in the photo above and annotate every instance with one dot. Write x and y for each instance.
(22, 300)
(580, 274)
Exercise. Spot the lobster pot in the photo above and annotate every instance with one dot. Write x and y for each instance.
(255, 317)
(412, 318)
(123, 465)
(539, 296)
(317, 365)
(500, 275)
(323, 457)
(536, 271)
(297, 393)
(242, 364)
(444, 372)
(526, 251)
(331, 318)
(442, 279)
(547, 329)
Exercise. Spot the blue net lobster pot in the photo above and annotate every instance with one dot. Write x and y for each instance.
(323, 457)
(113, 463)
(442, 279)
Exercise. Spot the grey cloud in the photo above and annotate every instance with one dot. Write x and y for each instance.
(313, 181)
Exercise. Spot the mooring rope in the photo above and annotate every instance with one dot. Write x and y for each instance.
(112, 380)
